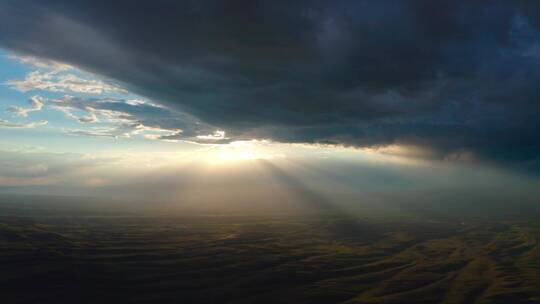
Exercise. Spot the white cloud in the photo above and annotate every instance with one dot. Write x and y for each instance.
(125, 130)
(58, 81)
(113, 132)
(36, 104)
(12, 125)
(69, 113)
(56, 76)
(117, 118)
(90, 110)
(40, 63)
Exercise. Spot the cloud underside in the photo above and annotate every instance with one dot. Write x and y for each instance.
(454, 76)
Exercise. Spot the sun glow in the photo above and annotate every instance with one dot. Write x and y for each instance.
(243, 151)
(241, 155)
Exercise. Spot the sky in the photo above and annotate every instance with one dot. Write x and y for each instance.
(222, 103)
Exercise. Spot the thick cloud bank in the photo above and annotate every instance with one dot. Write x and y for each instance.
(452, 76)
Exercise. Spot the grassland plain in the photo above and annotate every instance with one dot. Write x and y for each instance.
(254, 259)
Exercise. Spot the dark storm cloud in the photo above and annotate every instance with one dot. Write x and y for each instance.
(447, 75)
